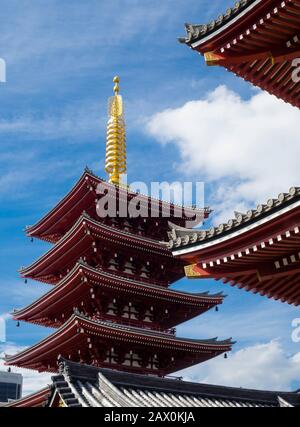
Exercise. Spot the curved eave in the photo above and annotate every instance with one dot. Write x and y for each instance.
(281, 87)
(70, 283)
(259, 45)
(79, 190)
(223, 26)
(41, 347)
(270, 223)
(47, 228)
(79, 325)
(284, 288)
(34, 400)
(83, 233)
(55, 296)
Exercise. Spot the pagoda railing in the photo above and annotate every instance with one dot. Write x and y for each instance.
(137, 277)
(136, 324)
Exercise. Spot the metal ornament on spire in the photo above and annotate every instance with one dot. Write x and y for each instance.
(115, 164)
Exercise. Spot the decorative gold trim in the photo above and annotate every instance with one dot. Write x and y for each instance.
(190, 272)
(211, 58)
(61, 404)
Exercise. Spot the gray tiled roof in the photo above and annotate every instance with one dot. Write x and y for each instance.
(180, 237)
(196, 32)
(80, 385)
(168, 293)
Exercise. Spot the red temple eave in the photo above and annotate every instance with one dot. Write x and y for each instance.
(82, 238)
(240, 24)
(228, 30)
(81, 283)
(278, 285)
(34, 400)
(258, 44)
(82, 197)
(257, 253)
(79, 330)
(253, 237)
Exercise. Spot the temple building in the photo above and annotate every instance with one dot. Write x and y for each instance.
(111, 300)
(257, 250)
(80, 386)
(258, 40)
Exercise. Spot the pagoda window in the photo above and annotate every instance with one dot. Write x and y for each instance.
(112, 309)
(129, 268)
(153, 363)
(126, 226)
(130, 312)
(111, 357)
(114, 222)
(112, 264)
(132, 359)
(140, 230)
(148, 316)
(144, 272)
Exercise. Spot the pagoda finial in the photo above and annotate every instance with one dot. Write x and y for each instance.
(116, 80)
(115, 164)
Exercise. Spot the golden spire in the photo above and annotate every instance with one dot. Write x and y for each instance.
(115, 164)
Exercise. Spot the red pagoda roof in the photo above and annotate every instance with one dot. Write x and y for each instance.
(257, 251)
(94, 338)
(53, 308)
(257, 40)
(82, 197)
(112, 269)
(80, 240)
(34, 400)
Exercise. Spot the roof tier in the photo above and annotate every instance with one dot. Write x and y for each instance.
(83, 196)
(257, 251)
(79, 385)
(119, 347)
(86, 386)
(88, 239)
(38, 399)
(94, 290)
(258, 41)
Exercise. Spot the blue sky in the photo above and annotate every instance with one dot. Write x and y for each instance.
(61, 57)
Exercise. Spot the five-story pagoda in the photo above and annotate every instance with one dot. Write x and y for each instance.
(111, 302)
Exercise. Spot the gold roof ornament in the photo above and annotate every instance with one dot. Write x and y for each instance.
(115, 165)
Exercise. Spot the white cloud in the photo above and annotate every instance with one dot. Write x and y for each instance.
(263, 367)
(32, 380)
(248, 149)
